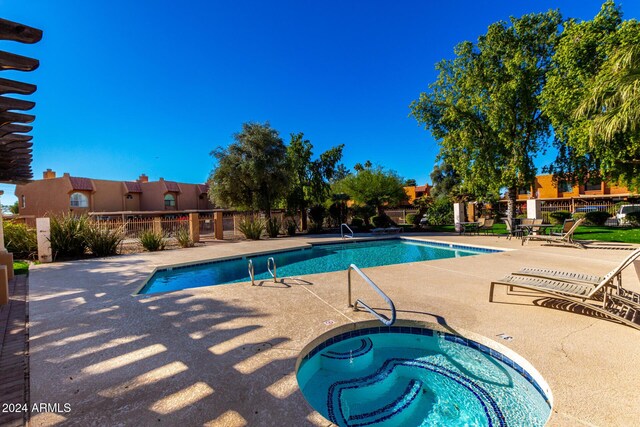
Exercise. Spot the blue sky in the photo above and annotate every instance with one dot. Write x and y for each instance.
(130, 87)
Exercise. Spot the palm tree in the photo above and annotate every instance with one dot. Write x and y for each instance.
(614, 102)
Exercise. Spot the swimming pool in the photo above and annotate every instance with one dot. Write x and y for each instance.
(317, 259)
(415, 376)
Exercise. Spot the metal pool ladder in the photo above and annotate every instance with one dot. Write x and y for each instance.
(270, 262)
(273, 273)
(384, 319)
(342, 227)
(251, 273)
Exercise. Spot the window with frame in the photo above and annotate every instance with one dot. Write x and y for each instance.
(524, 190)
(24, 201)
(593, 185)
(79, 200)
(565, 187)
(169, 201)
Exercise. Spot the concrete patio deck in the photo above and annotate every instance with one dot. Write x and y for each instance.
(225, 355)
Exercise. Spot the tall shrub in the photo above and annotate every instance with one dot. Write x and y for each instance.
(252, 228)
(103, 241)
(20, 240)
(68, 235)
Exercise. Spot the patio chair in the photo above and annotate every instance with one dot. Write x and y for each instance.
(487, 226)
(616, 273)
(566, 226)
(599, 298)
(511, 231)
(564, 239)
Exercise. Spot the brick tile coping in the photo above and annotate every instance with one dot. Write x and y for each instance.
(14, 353)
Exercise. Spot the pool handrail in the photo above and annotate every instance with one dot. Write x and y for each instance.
(384, 319)
(251, 272)
(342, 226)
(273, 273)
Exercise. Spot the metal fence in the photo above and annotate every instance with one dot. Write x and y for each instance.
(399, 215)
(132, 227)
(577, 206)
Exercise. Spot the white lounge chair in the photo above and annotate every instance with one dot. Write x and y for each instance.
(616, 273)
(600, 297)
(564, 239)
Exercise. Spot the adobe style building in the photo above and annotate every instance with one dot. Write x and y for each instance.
(56, 195)
(544, 188)
(415, 192)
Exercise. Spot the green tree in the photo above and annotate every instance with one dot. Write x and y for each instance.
(484, 108)
(374, 187)
(410, 183)
(446, 181)
(581, 54)
(309, 183)
(593, 99)
(14, 208)
(251, 173)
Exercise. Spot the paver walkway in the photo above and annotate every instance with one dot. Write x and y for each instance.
(14, 353)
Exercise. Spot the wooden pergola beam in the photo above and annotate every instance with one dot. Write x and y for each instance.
(10, 30)
(15, 138)
(15, 104)
(7, 117)
(14, 128)
(11, 61)
(12, 86)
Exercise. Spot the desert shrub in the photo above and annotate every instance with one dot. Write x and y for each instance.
(633, 219)
(412, 218)
(102, 241)
(273, 227)
(291, 227)
(317, 214)
(68, 235)
(597, 217)
(357, 222)
(314, 228)
(364, 212)
(184, 238)
(579, 215)
(20, 240)
(251, 228)
(152, 240)
(558, 217)
(381, 221)
(439, 212)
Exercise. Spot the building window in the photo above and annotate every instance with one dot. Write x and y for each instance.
(593, 185)
(169, 201)
(24, 201)
(565, 187)
(79, 200)
(524, 190)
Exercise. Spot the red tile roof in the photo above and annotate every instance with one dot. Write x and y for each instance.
(421, 188)
(81, 184)
(172, 186)
(133, 187)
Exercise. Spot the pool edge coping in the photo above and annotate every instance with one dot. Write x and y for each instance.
(301, 246)
(441, 329)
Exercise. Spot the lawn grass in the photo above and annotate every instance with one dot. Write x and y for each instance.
(608, 234)
(20, 267)
(586, 232)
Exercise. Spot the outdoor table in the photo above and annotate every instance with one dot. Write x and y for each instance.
(528, 228)
(470, 225)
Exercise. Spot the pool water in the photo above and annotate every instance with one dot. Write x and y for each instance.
(318, 259)
(421, 378)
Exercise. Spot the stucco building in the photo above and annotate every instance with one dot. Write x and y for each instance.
(545, 188)
(56, 195)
